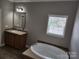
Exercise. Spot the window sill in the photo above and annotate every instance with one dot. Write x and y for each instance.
(55, 35)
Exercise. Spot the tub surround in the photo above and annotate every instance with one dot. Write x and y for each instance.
(28, 53)
(42, 53)
(65, 49)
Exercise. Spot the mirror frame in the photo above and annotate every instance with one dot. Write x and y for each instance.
(22, 27)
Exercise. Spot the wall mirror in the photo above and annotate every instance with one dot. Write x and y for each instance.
(19, 17)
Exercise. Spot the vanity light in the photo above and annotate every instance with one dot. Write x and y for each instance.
(20, 9)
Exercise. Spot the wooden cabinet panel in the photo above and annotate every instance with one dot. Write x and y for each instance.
(11, 39)
(15, 40)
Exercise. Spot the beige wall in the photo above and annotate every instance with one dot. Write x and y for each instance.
(7, 14)
(39, 17)
(75, 38)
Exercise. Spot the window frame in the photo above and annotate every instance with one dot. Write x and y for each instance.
(57, 35)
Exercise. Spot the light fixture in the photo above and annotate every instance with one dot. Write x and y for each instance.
(20, 9)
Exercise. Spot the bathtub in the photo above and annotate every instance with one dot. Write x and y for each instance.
(45, 51)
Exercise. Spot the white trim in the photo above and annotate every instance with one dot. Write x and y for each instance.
(55, 35)
(38, 0)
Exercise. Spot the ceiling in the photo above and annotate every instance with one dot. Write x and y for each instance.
(38, 0)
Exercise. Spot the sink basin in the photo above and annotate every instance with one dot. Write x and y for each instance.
(16, 32)
(45, 51)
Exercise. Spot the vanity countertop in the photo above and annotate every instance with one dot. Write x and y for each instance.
(16, 32)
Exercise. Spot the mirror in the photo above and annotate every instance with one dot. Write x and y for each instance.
(19, 17)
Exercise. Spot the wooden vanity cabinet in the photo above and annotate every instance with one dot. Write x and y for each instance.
(15, 40)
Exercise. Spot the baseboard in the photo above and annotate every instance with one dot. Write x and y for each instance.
(1, 45)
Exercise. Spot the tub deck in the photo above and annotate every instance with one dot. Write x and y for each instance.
(29, 55)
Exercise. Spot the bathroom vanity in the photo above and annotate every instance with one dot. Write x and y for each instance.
(16, 39)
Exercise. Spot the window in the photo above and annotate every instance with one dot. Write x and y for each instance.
(56, 25)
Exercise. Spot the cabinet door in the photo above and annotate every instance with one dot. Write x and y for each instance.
(14, 40)
(6, 36)
(11, 40)
(0, 29)
(20, 41)
(17, 41)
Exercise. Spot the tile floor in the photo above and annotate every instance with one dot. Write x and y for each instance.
(10, 53)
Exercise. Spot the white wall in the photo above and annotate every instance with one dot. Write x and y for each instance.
(7, 15)
(39, 18)
(75, 38)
